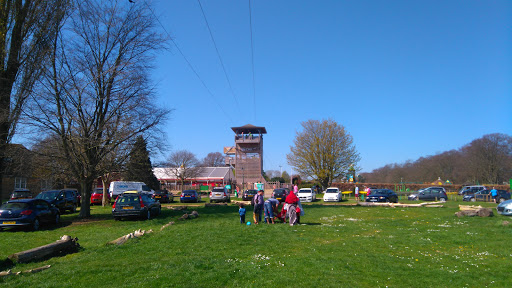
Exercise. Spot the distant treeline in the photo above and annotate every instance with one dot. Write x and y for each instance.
(487, 160)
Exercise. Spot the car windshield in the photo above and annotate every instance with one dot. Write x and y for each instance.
(48, 195)
(304, 191)
(160, 192)
(218, 190)
(279, 191)
(14, 206)
(331, 191)
(125, 199)
(188, 193)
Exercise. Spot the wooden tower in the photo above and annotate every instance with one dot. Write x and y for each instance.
(249, 154)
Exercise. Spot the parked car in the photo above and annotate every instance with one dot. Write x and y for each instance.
(483, 195)
(249, 194)
(306, 195)
(190, 196)
(65, 199)
(332, 194)
(429, 194)
(163, 196)
(220, 194)
(97, 196)
(466, 190)
(118, 187)
(21, 194)
(135, 204)
(28, 212)
(505, 208)
(382, 195)
(279, 194)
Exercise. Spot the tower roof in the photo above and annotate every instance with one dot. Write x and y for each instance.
(249, 128)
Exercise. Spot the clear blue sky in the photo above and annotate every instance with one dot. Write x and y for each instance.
(406, 78)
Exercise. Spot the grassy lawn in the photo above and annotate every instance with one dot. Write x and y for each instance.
(338, 246)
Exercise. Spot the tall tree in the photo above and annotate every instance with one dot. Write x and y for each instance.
(139, 166)
(183, 165)
(96, 93)
(323, 151)
(213, 159)
(26, 32)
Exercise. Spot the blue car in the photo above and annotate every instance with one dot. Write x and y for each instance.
(29, 213)
(190, 196)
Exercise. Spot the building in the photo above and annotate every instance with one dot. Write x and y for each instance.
(205, 176)
(248, 154)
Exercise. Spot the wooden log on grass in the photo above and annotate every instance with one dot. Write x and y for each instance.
(400, 205)
(65, 245)
(30, 271)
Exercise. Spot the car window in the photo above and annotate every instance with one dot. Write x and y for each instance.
(14, 206)
(128, 200)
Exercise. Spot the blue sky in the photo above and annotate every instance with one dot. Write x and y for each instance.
(406, 78)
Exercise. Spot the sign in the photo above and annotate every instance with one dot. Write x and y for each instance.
(259, 186)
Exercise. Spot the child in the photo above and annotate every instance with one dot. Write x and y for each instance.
(241, 212)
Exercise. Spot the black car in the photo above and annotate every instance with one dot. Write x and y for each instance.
(382, 195)
(280, 194)
(135, 204)
(249, 194)
(430, 194)
(65, 199)
(484, 195)
(28, 213)
(163, 196)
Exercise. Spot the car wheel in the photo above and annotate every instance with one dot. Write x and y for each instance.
(57, 219)
(73, 209)
(36, 225)
(473, 199)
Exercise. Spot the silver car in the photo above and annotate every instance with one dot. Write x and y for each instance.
(505, 208)
(220, 194)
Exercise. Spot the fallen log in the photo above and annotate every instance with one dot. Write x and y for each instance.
(470, 207)
(63, 246)
(400, 205)
(482, 212)
(30, 271)
(167, 225)
(136, 234)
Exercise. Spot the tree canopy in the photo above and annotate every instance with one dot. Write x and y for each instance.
(139, 166)
(323, 151)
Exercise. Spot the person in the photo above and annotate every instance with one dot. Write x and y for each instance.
(295, 189)
(494, 194)
(299, 210)
(292, 200)
(258, 206)
(270, 209)
(357, 193)
(241, 212)
(282, 214)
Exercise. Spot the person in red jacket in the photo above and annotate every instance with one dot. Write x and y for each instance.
(292, 200)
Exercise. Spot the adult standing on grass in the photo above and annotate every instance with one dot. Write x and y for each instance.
(258, 207)
(494, 194)
(292, 200)
(357, 193)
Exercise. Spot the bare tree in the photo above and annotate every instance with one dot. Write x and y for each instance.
(213, 159)
(183, 165)
(96, 94)
(323, 150)
(26, 32)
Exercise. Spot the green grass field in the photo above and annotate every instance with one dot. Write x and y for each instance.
(337, 246)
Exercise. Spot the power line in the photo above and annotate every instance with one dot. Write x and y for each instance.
(252, 63)
(218, 55)
(189, 64)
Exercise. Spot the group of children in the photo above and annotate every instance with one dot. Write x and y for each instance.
(271, 211)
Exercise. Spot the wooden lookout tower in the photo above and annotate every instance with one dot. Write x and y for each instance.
(249, 154)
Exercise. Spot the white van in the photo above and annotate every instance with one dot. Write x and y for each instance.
(118, 187)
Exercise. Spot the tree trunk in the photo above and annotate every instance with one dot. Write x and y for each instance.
(85, 206)
(66, 244)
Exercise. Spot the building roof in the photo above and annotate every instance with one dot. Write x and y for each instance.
(249, 128)
(205, 173)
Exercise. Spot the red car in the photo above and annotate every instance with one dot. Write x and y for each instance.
(21, 194)
(97, 196)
